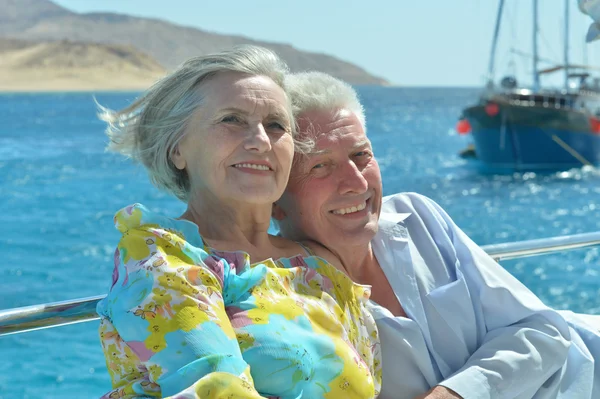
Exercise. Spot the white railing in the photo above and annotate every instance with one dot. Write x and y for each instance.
(37, 317)
(520, 249)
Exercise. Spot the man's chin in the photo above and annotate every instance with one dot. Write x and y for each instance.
(357, 237)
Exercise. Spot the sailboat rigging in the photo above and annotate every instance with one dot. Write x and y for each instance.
(532, 128)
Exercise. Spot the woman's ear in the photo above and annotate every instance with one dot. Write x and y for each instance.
(178, 159)
(277, 212)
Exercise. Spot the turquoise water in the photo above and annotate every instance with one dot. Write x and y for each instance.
(59, 191)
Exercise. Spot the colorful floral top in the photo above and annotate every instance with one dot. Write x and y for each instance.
(182, 320)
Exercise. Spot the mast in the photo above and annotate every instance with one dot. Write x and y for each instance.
(567, 44)
(491, 66)
(536, 76)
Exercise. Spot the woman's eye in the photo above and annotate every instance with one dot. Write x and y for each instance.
(276, 125)
(231, 119)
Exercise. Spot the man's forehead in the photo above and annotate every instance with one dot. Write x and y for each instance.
(326, 145)
(332, 131)
(315, 125)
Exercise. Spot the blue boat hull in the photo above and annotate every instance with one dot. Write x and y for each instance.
(531, 138)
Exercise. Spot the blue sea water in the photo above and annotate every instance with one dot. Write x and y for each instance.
(59, 190)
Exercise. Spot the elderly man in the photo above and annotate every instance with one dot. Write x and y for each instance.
(453, 323)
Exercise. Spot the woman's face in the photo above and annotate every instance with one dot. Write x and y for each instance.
(238, 145)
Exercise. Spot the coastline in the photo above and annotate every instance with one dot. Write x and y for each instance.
(72, 74)
(23, 90)
(14, 82)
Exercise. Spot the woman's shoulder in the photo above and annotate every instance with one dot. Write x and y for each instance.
(139, 217)
(133, 216)
(327, 265)
(289, 248)
(317, 250)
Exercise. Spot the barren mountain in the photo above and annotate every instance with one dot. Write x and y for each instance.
(169, 44)
(66, 65)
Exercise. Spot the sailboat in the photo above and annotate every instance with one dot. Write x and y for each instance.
(533, 128)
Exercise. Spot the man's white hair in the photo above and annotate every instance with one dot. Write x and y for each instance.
(150, 129)
(317, 91)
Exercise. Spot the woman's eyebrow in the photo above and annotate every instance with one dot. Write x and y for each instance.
(278, 113)
(233, 110)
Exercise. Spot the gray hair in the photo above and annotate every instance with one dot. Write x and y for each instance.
(317, 91)
(150, 128)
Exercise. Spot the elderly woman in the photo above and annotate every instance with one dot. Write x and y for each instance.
(452, 322)
(209, 305)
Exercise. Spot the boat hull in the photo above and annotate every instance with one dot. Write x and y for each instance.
(533, 137)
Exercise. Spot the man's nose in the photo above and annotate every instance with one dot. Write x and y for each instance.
(257, 139)
(352, 180)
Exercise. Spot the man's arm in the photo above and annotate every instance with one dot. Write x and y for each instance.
(439, 392)
(525, 342)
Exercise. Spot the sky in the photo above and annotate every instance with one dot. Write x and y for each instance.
(409, 43)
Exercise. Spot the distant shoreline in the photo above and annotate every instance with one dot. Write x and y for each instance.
(81, 88)
(21, 83)
(69, 91)
(80, 79)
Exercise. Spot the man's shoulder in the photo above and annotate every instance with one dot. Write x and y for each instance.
(404, 202)
(414, 209)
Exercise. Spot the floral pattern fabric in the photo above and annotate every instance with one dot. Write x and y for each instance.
(182, 320)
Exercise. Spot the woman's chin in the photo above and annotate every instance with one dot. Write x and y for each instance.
(258, 196)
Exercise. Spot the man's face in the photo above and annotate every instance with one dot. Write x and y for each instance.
(334, 194)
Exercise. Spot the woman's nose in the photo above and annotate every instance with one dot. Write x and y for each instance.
(257, 139)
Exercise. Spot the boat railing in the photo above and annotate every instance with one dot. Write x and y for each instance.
(37, 317)
(554, 100)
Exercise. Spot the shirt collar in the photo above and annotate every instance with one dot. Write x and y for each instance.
(391, 224)
(394, 217)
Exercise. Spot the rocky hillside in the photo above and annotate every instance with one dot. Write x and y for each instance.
(64, 65)
(165, 42)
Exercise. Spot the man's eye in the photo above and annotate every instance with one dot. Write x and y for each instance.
(318, 166)
(362, 154)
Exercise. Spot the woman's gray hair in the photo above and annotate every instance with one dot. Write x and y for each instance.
(317, 91)
(150, 128)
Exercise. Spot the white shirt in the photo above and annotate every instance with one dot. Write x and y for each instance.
(471, 326)
(406, 355)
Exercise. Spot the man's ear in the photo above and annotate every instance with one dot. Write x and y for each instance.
(277, 212)
(178, 159)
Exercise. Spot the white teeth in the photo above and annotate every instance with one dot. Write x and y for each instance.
(251, 166)
(352, 209)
